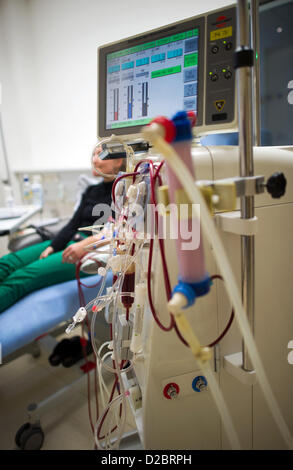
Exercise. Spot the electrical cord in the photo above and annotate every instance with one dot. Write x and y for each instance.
(121, 397)
(82, 304)
(164, 264)
(226, 329)
(101, 420)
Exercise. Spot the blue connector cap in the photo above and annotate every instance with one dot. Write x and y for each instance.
(193, 290)
(203, 287)
(199, 383)
(183, 126)
(185, 289)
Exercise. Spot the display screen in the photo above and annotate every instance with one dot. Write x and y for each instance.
(221, 33)
(153, 78)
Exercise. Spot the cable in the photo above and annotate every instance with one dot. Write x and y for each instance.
(84, 342)
(117, 359)
(153, 178)
(164, 328)
(120, 397)
(162, 252)
(100, 422)
(88, 382)
(161, 243)
(164, 263)
(217, 276)
(159, 168)
(97, 304)
(103, 386)
(100, 301)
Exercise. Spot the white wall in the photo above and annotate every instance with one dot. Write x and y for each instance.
(14, 53)
(48, 60)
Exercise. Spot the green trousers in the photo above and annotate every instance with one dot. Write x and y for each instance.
(23, 272)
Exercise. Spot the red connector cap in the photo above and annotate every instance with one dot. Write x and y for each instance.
(192, 117)
(171, 390)
(170, 129)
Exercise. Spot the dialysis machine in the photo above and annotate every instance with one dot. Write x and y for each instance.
(201, 309)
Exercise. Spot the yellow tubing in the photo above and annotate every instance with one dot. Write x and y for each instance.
(188, 334)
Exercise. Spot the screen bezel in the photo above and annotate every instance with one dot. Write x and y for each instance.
(182, 26)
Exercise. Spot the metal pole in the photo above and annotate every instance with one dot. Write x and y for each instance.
(254, 20)
(246, 165)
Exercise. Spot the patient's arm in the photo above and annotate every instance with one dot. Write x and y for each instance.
(74, 252)
(48, 251)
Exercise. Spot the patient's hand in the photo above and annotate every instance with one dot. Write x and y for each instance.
(73, 253)
(48, 251)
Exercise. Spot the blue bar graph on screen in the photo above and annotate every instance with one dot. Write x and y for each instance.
(129, 101)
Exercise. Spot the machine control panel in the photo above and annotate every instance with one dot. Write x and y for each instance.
(220, 79)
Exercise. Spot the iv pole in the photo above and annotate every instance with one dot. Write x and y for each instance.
(254, 21)
(244, 64)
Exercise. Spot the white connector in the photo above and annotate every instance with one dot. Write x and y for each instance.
(123, 320)
(136, 340)
(136, 343)
(102, 271)
(135, 396)
(80, 315)
(78, 318)
(177, 303)
(132, 193)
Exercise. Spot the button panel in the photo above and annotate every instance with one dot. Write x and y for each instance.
(220, 80)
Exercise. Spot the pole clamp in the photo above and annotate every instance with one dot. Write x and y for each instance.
(243, 57)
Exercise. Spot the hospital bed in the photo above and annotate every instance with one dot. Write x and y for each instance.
(39, 313)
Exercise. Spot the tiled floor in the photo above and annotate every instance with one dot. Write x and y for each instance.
(66, 424)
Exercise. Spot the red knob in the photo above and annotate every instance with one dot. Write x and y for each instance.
(170, 129)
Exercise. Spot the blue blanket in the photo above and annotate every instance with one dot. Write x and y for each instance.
(41, 311)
